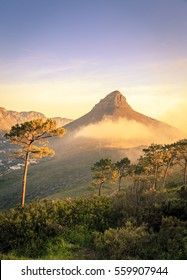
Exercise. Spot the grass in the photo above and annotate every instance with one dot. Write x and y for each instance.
(66, 251)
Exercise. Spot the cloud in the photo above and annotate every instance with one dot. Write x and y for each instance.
(124, 133)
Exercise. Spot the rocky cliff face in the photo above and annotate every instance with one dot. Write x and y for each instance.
(10, 118)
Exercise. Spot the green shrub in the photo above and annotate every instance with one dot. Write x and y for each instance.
(79, 236)
(96, 213)
(49, 228)
(128, 242)
(172, 239)
(58, 249)
(27, 230)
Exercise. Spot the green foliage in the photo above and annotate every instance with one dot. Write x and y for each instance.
(103, 171)
(182, 157)
(158, 160)
(183, 193)
(28, 230)
(32, 131)
(123, 168)
(137, 242)
(129, 242)
(95, 213)
(136, 224)
(32, 228)
(176, 208)
(78, 235)
(172, 239)
(58, 249)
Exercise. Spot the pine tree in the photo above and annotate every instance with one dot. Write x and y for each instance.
(122, 167)
(103, 171)
(26, 135)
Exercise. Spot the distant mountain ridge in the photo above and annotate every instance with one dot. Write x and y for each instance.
(8, 118)
(114, 107)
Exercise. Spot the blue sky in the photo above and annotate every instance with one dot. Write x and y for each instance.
(61, 57)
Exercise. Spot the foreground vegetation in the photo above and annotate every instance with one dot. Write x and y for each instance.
(144, 219)
(138, 223)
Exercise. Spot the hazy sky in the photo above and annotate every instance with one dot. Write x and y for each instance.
(61, 57)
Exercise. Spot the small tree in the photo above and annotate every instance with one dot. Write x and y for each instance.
(153, 162)
(122, 167)
(25, 135)
(103, 171)
(169, 155)
(139, 175)
(181, 146)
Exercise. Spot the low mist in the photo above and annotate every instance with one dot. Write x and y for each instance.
(126, 134)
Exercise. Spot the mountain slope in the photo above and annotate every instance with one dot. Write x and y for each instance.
(9, 118)
(114, 107)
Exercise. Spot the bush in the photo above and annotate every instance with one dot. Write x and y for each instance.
(27, 230)
(96, 213)
(129, 242)
(79, 236)
(156, 229)
(172, 239)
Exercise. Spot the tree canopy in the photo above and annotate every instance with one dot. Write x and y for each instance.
(103, 171)
(122, 167)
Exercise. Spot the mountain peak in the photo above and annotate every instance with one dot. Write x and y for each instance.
(114, 98)
(114, 104)
(114, 94)
(115, 107)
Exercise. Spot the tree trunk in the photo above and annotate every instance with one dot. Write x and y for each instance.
(166, 173)
(155, 177)
(100, 187)
(119, 184)
(185, 171)
(24, 179)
